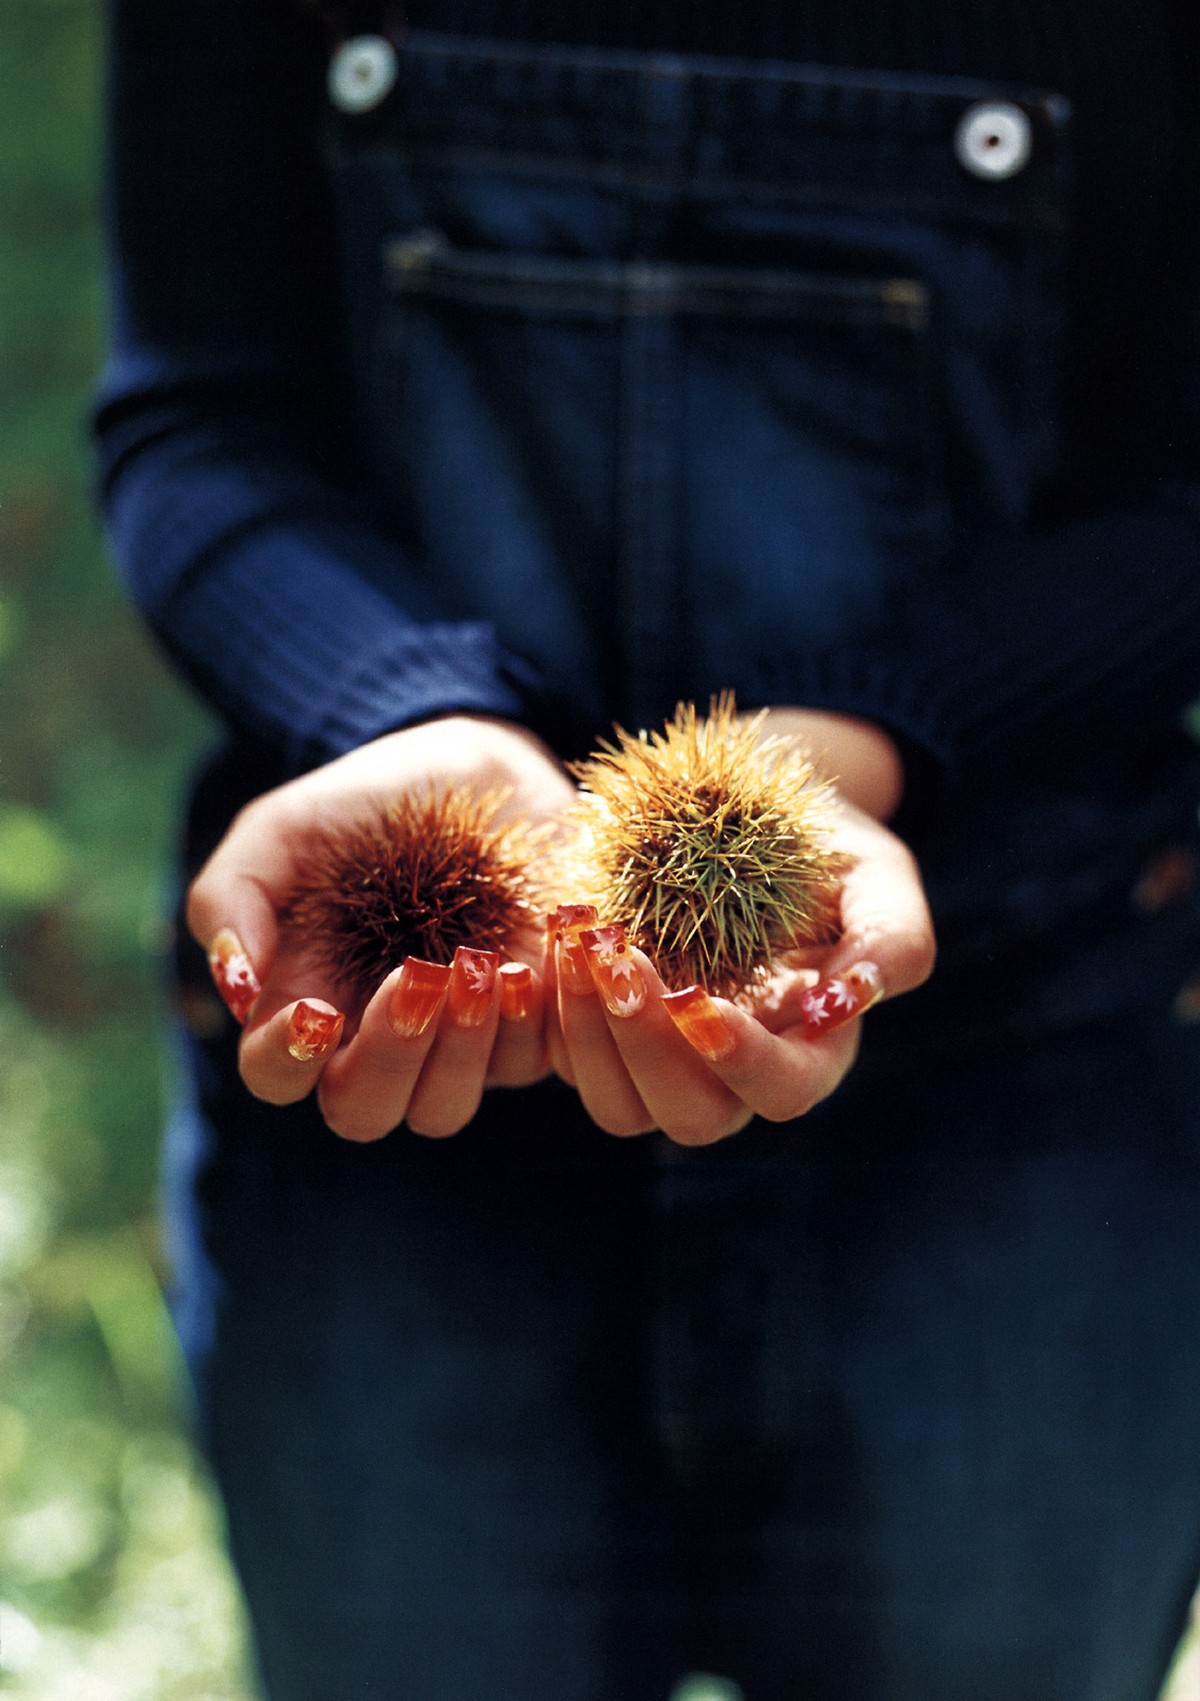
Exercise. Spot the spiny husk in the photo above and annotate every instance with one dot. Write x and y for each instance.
(418, 877)
(709, 842)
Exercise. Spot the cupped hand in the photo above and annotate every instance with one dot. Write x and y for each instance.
(699, 1068)
(431, 1037)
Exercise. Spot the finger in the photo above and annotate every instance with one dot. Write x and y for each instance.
(295, 971)
(778, 1076)
(597, 1068)
(232, 905)
(885, 918)
(566, 915)
(365, 1088)
(450, 1086)
(681, 1094)
(281, 1059)
(519, 1053)
(232, 966)
(817, 1005)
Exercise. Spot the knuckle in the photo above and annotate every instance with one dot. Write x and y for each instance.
(263, 1083)
(273, 1092)
(916, 953)
(811, 1079)
(628, 1129)
(792, 1108)
(196, 909)
(358, 1133)
(434, 1117)
(341, 1120)
(697, 1131)
(516, 1062)
(516, 1074)
(622, 1122)
(431, 1129)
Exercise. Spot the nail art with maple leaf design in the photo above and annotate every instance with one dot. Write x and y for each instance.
(312, 1033)
(833, 1002)
(472, 977)
(233, 973)
(566, 925)
(614, 970)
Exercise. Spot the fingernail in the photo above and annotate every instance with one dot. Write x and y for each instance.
(233, 973)
(417, 996)
(703, 1024)
(472, 977)
(569, 915)
(573, 972)
(313, 1032)
(518, 997)
(617, 977)
(831, 1003)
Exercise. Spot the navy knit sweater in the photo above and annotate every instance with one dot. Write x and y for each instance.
(239, 522)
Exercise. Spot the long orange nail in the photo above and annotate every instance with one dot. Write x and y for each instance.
(569, 915)
(703, 1024)
(618, 979)
(832, 1003)
(573, 972)
(577, 915)
(518, 994)
(233, 973)
(313, 1033)
(417, 996)
(472, 977)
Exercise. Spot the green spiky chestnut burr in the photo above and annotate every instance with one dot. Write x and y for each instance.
(710, 842)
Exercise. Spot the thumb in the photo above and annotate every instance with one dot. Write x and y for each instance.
(233, 905)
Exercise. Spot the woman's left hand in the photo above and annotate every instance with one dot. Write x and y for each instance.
(700, 1068)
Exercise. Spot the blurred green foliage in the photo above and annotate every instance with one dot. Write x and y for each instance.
(113, 1581)
(113, 1584)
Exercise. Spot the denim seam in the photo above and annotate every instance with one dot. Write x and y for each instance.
(494, 57)
(614, 301)
(853, 197)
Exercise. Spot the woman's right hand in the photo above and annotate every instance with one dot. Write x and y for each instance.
(700, 1068)
(428, 1041)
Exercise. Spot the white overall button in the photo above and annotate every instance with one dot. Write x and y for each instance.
(993, 139)
(362, 73)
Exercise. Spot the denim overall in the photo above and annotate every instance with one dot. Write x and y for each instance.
(675, 372)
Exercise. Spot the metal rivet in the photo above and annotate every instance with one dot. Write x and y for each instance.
(994, 139)
(362, 73)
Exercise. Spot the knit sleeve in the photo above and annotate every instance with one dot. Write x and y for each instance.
(1075, 635)
(225, 465)
(1042, 646)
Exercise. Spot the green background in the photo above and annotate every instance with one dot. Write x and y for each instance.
(113, 1583)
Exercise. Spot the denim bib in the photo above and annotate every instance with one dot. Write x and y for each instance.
(677, 369)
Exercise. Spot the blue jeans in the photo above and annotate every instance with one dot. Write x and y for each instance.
(900, 1402)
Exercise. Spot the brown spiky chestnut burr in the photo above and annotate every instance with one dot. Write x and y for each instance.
(418, 877)
(710, 842)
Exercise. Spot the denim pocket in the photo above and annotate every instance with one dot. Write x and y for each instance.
(663, 443)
